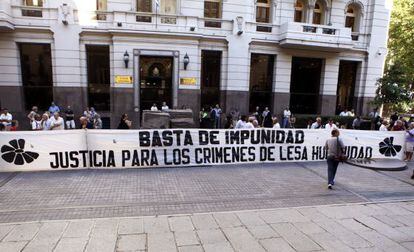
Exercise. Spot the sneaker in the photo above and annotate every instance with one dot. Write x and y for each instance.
(329, 186)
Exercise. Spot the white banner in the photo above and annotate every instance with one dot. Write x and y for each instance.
(79, 149)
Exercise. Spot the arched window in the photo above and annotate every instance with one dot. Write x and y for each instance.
(299, 11)
(352, 18)
(318, 13)
(263, 11)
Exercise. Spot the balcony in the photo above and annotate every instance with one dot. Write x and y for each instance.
(6, 22)
(321, 37)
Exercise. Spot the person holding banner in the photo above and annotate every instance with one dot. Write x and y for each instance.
(409, 144)
(335, 148)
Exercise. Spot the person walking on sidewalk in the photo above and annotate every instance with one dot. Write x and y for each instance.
(335, 148)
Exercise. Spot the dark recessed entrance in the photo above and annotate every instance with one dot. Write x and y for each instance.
(155, 81)
(304, 85)
(346, 85)
(210, 78)
(261, 78)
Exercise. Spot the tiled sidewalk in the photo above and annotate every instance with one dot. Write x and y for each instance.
(349, 227)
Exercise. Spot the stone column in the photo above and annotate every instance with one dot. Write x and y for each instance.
(281, 83)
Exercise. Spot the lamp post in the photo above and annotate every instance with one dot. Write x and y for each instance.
(126, 59)
(186, 61)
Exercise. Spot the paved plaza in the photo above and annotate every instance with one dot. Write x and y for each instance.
(262, 207)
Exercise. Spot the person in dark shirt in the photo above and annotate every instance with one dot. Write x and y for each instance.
(85, 123)
(70, 118)
(124, 123)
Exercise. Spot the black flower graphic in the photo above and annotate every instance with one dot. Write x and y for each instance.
(387, 148)
(15, 153)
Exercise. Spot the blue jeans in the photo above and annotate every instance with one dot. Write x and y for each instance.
(332, 167)
(285, 122)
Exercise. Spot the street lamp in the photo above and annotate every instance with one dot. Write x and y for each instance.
(126, 59)
(186, 61)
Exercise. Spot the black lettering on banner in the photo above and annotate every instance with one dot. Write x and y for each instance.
(176, 153)
(166, 162)
(145, 156)
(218, 155)
(281, 156)
(213, 137)
(304, 153)
(234, 137)
(289, 138)
(244, 135)
(265, 136)
(203, 137)
(197, 153)
(299, 137)
(263, 153)
(178, 134)
(95, 158)
(206, 155)
(54, 164)
(235, 152)
(243, 152)
(368, 152)
(255, 138)
(135, 159)
(156, 140)
(167, 137)
(188, 140)
(126, 156)
(64, 162)
(280, 136)
(74, 158)
(144, 138)
(84, 157)
(186, 156)
(154, 159)
(252, 155)
(111, 159)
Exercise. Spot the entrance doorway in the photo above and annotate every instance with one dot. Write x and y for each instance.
(210, 78)
(304, 85)
(36, 67)
(346, 85)
(155, 81)
(261, 79)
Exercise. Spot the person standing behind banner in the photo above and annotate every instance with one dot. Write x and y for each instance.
(409, 143)
(124, 123)
(53, 108)
(335, 148)
(330, 125)
(317, 124)
(241, 123)
(56, 122)
(276, 124)
(97, 122)
(70, 118)
(6, 119)
(286, 117)
(45, 124)
(37, 122)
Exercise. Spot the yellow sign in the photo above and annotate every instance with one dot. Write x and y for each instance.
(123, 79)
(188, 81)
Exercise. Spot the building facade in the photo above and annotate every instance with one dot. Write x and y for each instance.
(121, 56)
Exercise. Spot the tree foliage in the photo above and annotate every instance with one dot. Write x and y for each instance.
(395, 88)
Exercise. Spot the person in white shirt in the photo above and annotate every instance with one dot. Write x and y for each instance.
(384, 126)
(286, 117)
(32, 114)
(154, 107)
(330, 125)
(37, 122)
(241, 123)
(317, 124)
(164, 106)
(344, 113)
(56, 122)
(45, 123)
(6, 119)
(249, 124)
(276, 124)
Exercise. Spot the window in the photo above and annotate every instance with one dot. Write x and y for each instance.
(168, 7)
(144, 6)
(98, 77)
(263, 11)
(212, 9)
(318, 14)
(101, 5)
(34, 3)
(36, 68)
(299, 11)
(261, 79)
(350, 18)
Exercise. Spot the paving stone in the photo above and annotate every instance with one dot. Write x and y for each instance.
(204, 221)
(226, 220)
(185, 238)
(79, 228)
(312, 213)
(211, 236)
(131, 226)
(346, 236)
(105, 227)
(384, 229)
(156, 225)
(283, 215)
(161, 242)
(408, 220)
(131, 242)
(12, 246)
(193, 248)
(103, 236)
(241, 240)
(70, 244)
(4, 230)
(309, 228)
(330, 242)
(47, 237)
(408, 245)
(380, 241)
(262, 232)
(353, 225)
(250, 219)
(388, 220)
(218, 247)
(276, 245)
(181, 223)
(395, 209)
(409, 231)
(296, 239)
(23, 232)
